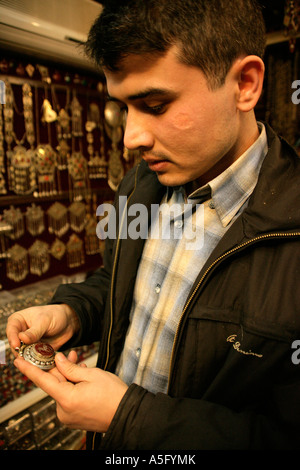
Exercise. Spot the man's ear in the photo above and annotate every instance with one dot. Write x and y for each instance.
(249, 73)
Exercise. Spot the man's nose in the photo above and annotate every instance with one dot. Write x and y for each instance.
(137, 132)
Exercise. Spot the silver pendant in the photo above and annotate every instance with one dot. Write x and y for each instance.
(39, 354)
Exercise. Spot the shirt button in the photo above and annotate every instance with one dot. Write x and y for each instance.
(138, 352)
(157, 288)
(178, 223)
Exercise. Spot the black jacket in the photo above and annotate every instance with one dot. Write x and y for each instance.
(232, 384)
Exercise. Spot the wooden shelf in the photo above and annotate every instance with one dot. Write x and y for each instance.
(16, 200)
(277, 37)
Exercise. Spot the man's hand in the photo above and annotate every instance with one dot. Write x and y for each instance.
(55, 323)
(87, 398)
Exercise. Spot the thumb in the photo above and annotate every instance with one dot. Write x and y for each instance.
(34, 333)
(72, 372)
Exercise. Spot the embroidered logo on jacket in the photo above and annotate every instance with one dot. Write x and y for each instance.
(236, 345)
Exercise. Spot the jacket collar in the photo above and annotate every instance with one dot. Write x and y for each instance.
(274, 204)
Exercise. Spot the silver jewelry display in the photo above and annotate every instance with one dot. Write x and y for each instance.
(58, 222)
(14, 217)
(77, 212)
(75, 252)
(17, 263)
(39, 259)
(35, 220)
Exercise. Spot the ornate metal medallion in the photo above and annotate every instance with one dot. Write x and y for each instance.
(39, 354)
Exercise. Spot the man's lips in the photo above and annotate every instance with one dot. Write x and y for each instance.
(156, 164)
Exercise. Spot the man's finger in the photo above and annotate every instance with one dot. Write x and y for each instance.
(57, 374)
(33, 334)
(17, 330)
(72, 356)
(47, 382)
(14, 326)
(73, 372)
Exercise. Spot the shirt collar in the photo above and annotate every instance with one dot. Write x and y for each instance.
(231, 189)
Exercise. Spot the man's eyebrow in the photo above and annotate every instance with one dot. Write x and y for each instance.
(148, 93)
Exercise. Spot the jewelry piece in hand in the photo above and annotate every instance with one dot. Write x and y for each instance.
(39, 354)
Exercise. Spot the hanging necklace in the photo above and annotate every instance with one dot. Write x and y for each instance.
(2, 164)
(79, 185)
(46, 157)
(35, 220)
(114, 119)
(97, 164)
(8, 114)
(291, 22)
(39, 257)
(14, 217)
(76, 109)
(92, 242)
(17, 263)
(28, 114)
(58, 219)
(20, 161)
(77, 211)
(75, 253)
(78, 176)
(63, 130)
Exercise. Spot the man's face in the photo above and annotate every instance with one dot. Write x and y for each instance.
(186, 131)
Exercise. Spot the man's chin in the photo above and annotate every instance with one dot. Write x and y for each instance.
(170, 180)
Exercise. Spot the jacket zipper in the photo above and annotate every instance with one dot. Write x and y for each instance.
(114, 271)
(220, 259)
(112, 285)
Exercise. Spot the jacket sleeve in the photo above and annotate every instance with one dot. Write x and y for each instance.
(159, 422)
(87, 299)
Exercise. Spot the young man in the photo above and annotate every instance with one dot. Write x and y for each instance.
(196, 342)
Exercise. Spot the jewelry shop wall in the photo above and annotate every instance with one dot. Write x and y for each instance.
(279, 104)
(61, 156)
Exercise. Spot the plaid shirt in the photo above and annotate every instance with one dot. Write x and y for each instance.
(168, 269)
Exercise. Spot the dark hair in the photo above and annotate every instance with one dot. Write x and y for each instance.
(210, 34)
